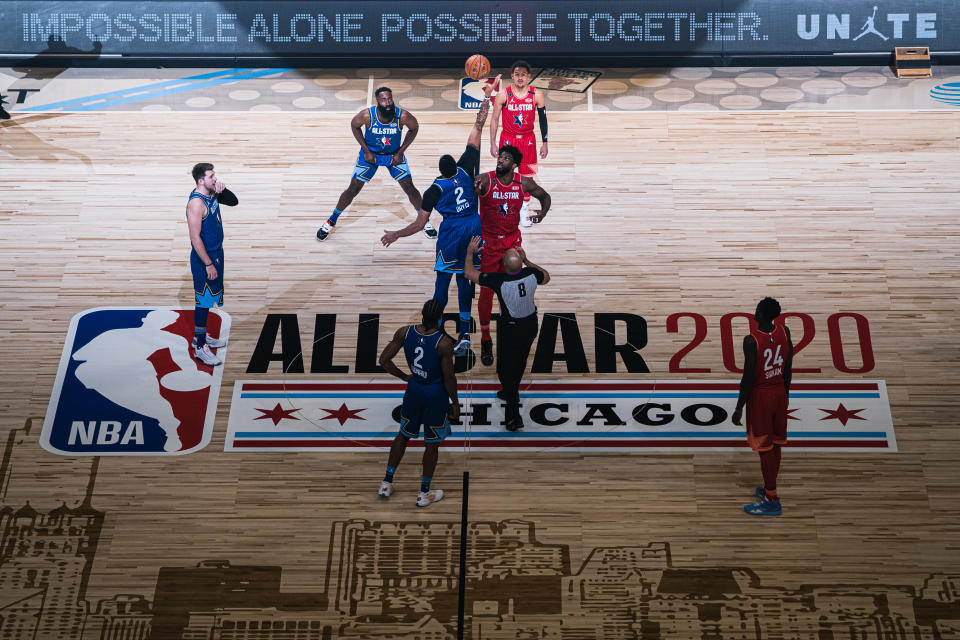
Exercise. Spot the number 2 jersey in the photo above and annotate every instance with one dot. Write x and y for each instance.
(772, 351)
(422, 356)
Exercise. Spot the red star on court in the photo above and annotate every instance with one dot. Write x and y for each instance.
(842, 414)
(790, 415)
(277, 414)
(343, 414)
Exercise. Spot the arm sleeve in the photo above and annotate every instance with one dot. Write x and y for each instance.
(228, 198)
(470, 160)
(542, 118)
(491, 280)
(431, 197)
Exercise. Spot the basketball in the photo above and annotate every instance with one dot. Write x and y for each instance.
(477, 66)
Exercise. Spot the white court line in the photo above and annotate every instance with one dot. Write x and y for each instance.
(370, 91)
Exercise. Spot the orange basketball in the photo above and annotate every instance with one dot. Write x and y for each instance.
(477, 66)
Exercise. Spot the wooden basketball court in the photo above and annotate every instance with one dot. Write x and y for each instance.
(849, 217)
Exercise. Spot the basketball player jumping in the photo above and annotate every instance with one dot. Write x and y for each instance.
(516, 104)
(453, 194)
(380, 147)
(502, 195)
(765, 389)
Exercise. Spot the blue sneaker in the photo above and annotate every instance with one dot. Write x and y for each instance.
(760, 493)
(463, 345)
(764, 507)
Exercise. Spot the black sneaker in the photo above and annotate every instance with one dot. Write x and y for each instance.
(486, 352)
(3, 112)
(430, 231)
(502, 395)
(514, 424)
(324, 231)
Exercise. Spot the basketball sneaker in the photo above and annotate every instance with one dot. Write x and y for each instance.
(3, 113)
(761, 493)
(514, 424)
(428, 498)
(486, 352)
(525, 214)
(430, 231)
(204, 355)
(386, 489)
(324, 231)
(214, 343)
(764, 507)
(463, 345)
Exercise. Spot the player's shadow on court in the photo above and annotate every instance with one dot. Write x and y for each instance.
(20, 142)
(39, 67)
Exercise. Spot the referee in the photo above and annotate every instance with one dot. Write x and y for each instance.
(517, 327)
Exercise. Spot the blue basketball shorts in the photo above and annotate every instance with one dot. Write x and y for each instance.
(364, 171)
(453, 238)
(207, 292)
(425, 405)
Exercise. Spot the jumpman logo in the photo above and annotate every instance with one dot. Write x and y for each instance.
(518, 119)
(868, 27)
(115, 364)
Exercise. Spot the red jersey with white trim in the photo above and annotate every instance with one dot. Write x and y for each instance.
(772, 350)
(518, 113)
(500, 207)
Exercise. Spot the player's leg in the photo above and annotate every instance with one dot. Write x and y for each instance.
(206, 294)
(363, 172)
(411, 416)
(441, 289)
(397, 449)
(528, 167)
(465, 304)
(436, 428)
(416, 199)
(761, 410)
(491, 261)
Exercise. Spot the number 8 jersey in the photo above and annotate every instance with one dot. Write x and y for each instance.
(422, 356)
(772, 350)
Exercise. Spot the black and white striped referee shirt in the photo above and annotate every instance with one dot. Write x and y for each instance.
(515, 291)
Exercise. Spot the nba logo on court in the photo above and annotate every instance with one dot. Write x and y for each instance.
(128, 384)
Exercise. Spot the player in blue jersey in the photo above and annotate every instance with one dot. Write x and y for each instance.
(430, 399)
(453, 195)
(380, 146)
(206, 256)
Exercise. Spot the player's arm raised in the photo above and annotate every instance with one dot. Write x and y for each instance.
(540, 194)
(356, 126)
(445, 351)
(746, 382)
(495, 123)
(470, 272)
(195, 209)
(473, 139)
(481, 183)
(406, 120)
(393, 347)
(788, 365)
(542, 119)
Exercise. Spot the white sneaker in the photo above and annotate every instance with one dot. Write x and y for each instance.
(215, 343)
(426, 499)
(204, 355)
(324, 231)
(463, 345)
(430, 231)
(525, 215)
(386, 489)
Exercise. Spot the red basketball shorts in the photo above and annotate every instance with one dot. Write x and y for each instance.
(527, 144)
(491, 258)
(767, 418)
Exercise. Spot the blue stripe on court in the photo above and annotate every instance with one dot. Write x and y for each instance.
(399, 394)
(562, 434)
(191, 87)
(131, 90)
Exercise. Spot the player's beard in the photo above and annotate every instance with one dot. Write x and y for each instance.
(504, 173)
(388, 112)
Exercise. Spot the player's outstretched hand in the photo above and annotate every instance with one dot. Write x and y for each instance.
(474, 245)
(543, 149)
(454, 411)
(389, 237)
(537, 216)
(490, 86)
(493, 149)
(737, 414)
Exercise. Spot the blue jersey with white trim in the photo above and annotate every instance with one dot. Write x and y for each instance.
(457, 194)
(383, 138)
(211, 226)
(422, 356)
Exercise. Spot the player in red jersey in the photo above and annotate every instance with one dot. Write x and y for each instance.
(501, 193)
(517, 105)
(765, 389)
